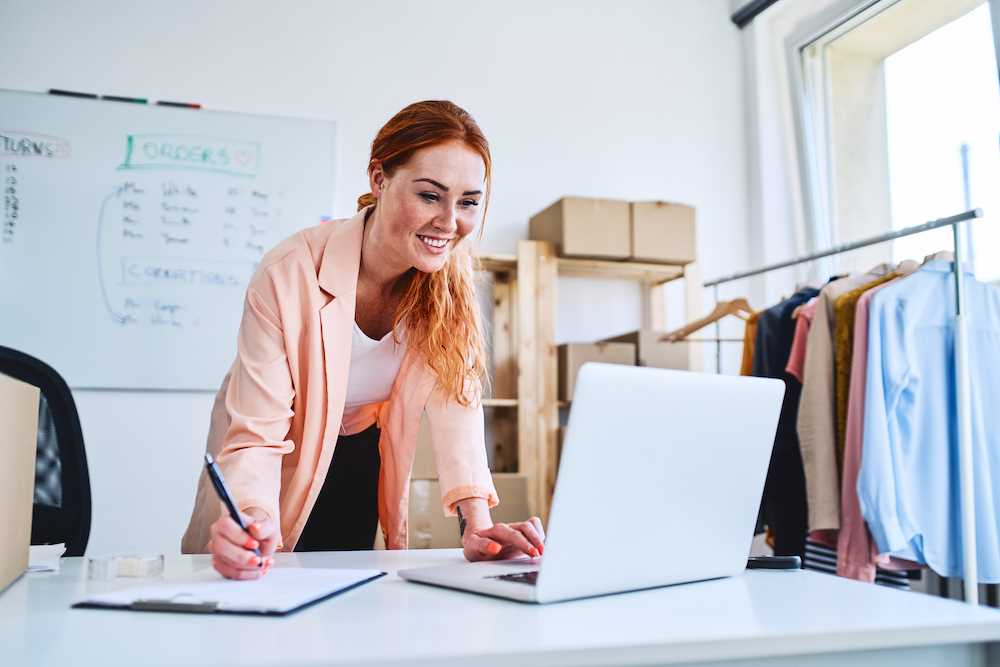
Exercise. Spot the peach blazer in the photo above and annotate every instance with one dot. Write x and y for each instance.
(279, 411)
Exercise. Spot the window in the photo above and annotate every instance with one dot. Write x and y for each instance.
(899, 116)
(944, 147)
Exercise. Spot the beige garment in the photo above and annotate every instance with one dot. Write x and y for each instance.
(816, 421)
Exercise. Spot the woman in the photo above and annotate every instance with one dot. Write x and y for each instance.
(351, 331)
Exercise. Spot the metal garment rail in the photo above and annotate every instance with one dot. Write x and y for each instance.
(961, 351)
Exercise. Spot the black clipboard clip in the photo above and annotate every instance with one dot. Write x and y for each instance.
(184, 602)
(199, 607)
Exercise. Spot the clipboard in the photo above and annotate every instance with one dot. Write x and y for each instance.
(282, 592)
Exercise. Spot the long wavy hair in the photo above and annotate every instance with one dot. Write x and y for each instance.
(439, 310)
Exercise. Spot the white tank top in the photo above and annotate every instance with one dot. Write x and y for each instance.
(374, 366)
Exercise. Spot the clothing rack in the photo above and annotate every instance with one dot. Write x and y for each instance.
(962, 386)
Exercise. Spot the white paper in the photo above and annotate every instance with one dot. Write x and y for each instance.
(281, 590)
(45, 557)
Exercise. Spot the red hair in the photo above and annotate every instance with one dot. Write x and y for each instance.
(439, 311)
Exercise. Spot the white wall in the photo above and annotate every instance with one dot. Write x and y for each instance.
(622, 99)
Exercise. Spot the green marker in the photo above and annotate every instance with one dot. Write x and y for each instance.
(119, 98)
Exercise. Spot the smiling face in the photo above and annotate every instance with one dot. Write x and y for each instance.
(427, 206)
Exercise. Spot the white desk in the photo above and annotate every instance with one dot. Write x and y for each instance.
(758, 618)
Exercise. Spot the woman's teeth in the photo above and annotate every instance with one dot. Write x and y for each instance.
(434, 243)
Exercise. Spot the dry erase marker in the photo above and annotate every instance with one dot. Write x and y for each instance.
(220, 487)
(72, 93)
(120, 98)
(183, 105)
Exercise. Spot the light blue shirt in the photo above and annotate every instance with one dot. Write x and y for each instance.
(908, 485)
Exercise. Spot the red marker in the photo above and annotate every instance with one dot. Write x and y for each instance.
(183, 105)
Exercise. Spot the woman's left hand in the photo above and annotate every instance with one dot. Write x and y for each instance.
(505, 540)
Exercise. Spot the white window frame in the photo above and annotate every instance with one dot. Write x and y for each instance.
(810, 97)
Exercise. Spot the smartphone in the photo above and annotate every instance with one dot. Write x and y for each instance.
(774, 563)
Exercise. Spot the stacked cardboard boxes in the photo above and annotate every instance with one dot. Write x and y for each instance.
(662, 232)
(428, 527)
(654, 231)
(650, 351)
(573, 355)
(584, 227)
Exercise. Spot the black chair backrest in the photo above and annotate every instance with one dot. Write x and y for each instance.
(69, 521)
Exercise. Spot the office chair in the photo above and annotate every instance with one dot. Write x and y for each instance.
(61, 510)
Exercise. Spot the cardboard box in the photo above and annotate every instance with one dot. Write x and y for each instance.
(650, 351)
(573, 355)
(19, 441)
(424, 466)
(429, 528)
(662, 232)
(585, 227)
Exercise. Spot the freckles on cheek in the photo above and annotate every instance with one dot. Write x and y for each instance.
(467, 229)
(467, 224)
(412, 218)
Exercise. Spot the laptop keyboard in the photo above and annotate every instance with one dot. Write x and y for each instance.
(529, 578)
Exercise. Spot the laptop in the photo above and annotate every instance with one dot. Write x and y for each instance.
(659, 483)
(18, 442)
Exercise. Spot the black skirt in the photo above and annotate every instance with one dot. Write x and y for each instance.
(345, 516)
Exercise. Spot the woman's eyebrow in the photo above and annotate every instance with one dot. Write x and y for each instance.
(445, 187)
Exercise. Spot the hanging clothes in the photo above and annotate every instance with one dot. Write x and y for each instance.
(784, 501)
(857, 555)
(844, 307)
(749, 337)
(746, 368)
(816, 421)
(797, 357)
(908, 485)
(796, 368)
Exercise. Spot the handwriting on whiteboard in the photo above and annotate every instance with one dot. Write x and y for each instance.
(158, 228)
(190, 152)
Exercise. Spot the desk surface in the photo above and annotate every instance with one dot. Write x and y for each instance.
(756, 615)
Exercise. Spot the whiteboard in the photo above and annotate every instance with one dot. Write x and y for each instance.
(130, 231)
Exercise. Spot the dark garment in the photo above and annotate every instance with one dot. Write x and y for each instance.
(784, 504)
(775, 331)
(345, 516)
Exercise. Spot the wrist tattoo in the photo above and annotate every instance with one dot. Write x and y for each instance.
(461, 521)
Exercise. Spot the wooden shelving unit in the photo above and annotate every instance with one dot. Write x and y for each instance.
(648, 272)
(500, 402)
(524, 351)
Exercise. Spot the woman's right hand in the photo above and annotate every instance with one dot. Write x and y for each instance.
(232, 548)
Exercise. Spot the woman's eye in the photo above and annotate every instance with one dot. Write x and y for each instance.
(470, 202)
(429, 197)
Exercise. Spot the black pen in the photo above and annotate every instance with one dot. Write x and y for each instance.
(220, 487)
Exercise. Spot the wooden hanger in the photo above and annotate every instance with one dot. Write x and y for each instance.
(722, 309)
(946, 255)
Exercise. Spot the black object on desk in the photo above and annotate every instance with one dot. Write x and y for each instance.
(774, 563)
